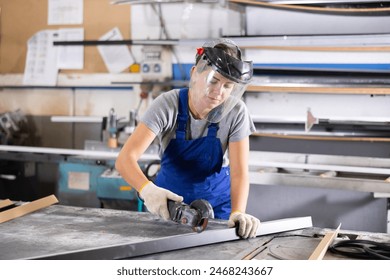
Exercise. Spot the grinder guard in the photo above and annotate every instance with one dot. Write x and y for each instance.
(195, 215)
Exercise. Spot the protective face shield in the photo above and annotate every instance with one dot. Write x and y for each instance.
(218, 83)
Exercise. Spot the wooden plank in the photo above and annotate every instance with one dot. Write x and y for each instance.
(254, 253)
(320, 250)
(5, 203)
(27, 208)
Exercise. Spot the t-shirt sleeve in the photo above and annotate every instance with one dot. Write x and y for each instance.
(242, 123)
(162, 112)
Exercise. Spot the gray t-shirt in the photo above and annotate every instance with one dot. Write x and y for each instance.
(162, 114)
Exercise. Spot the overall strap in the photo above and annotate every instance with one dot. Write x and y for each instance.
(213, 127)
(212, 130)
(182, 116)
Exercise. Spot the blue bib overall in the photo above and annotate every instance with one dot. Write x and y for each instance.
(193, 168)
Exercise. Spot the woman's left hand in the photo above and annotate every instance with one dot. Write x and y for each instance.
(247, 224)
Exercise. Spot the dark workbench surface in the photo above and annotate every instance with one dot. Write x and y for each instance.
(59, 229)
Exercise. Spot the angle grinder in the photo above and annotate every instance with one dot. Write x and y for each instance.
(195, 215)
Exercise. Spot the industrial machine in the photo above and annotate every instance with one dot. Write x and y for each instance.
(13, 128)
(93, 181)
(96, 183)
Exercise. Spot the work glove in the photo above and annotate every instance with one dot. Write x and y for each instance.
(247, 224)
(156, 199)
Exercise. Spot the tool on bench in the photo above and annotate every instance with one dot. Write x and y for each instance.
(195, 215)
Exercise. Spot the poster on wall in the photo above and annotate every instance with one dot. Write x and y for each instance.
(41, 61)
(70, 57)
(116, 58)
(62, 12)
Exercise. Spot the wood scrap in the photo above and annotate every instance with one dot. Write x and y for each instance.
(254, 253)
(320, 251)
(27, 208)
(5, 203)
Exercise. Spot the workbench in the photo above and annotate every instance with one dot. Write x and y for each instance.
(353, 187)
(58, 228)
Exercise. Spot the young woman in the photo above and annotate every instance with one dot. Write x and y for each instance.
(204, 134)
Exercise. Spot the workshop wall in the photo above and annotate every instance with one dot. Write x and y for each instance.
(184, 21)
(20, 19)
(40, 105)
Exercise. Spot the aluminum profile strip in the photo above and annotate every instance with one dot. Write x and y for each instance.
(113, 154)
(176, 242)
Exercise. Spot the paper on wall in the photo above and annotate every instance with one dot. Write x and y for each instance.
(41, 61)
(65, 12)
(70, 57)
(116, 58)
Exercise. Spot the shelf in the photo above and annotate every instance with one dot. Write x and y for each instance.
(101, 80)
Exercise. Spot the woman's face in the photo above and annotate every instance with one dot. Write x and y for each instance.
(218, 88)
(208, 90)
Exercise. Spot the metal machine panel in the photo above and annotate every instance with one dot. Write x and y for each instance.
(92, 183)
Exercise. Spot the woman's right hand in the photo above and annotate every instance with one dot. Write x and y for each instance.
(156, 199)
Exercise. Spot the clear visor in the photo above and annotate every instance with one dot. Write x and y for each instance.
(213, 96)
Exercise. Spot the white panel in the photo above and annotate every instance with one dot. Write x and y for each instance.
(184, 21)
(263, 21)
(78, 181)
(42, 102)
(185, 54)
(270, 56)
(99, 102)
(293, 106)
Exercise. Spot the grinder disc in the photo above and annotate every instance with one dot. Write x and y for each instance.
(205, 210)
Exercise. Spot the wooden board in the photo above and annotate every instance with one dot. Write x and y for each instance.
(321, 249)
(27, 208)
(21, 19)
(5, 203)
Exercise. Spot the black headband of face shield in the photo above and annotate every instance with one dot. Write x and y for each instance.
(228, 66)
